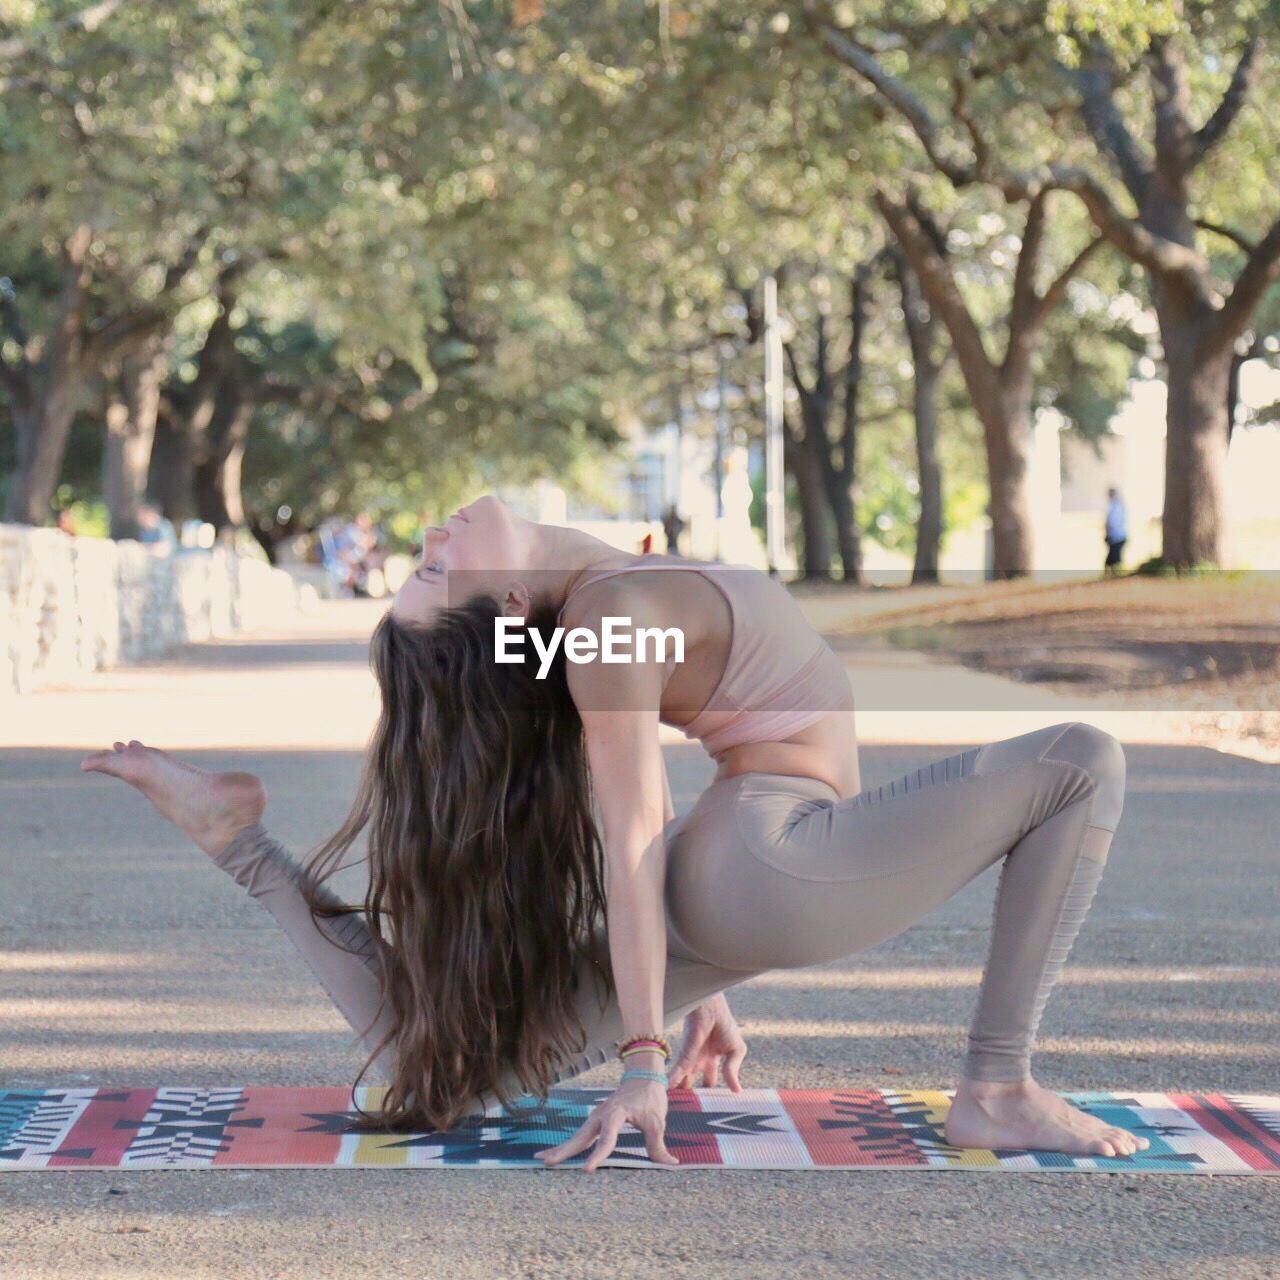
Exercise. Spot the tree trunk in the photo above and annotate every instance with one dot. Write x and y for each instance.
(1001, 393)
(41, 429)
(131, 429)
(848, 540)
(842, 480)
(924, 403)
(926, 374)
(171, 482)
(50, 380)
(217, 471)
(800, 456)
(813, 514)
(1007, 419)
(1197, 433)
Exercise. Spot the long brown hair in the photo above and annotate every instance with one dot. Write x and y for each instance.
(486, 872)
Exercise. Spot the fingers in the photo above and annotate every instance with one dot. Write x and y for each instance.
(656, 1147)
(579, 1142)
(731, 1065)
(604, 1133)
(710, 1070)
(681, 1076)
(607, 1140)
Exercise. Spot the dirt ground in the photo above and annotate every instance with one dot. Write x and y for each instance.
(1209, 645)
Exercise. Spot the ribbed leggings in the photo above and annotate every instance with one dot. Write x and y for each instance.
(768, 871)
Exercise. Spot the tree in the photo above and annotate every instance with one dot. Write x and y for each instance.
(927, 361)
(1112, 58)
(1201, 318)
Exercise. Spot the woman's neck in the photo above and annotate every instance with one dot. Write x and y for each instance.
(557, 556)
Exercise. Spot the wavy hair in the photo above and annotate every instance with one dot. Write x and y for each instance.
(486, 870)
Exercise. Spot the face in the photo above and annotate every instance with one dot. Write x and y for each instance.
(477, 549)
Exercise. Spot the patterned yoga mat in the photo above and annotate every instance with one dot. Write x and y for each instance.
(244, 1128)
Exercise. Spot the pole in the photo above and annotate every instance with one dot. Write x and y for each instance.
(774, 510)
(722, 444)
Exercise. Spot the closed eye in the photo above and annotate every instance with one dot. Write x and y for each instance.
(435, 567)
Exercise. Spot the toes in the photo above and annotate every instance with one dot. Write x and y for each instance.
(1123, 1141)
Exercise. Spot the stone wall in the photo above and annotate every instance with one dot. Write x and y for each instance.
(73, 605)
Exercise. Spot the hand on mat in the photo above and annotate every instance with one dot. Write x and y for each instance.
(710, 1034)
(642, 1103)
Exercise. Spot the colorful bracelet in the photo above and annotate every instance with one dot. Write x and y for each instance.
(645, 1075)
(642, 1048)
(646, 1043)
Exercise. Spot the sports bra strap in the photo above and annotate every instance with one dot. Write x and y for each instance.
(588, 576)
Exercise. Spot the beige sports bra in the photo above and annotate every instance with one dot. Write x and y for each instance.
(781, 675)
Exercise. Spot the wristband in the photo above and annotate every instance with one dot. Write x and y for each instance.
(644, 1075)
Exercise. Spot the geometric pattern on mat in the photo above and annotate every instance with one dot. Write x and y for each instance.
(248, 1128)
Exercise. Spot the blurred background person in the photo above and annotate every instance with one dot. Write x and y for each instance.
(673, 527)
(1117, 530)
(154, 529)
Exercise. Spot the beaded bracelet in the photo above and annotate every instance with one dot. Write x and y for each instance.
(644, 1044)
(642, 1048)
(644, 1075)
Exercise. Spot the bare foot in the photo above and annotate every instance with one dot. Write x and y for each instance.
(1028, 1116)
(209, 807)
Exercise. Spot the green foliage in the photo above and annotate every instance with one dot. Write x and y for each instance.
(88, 515)
(472, 253)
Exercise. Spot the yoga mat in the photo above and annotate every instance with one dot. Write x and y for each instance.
(251, 1128)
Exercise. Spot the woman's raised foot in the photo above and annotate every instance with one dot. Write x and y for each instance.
(209, 807)
(1027, 1116)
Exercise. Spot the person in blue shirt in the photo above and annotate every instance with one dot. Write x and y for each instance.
(1117, 531)
(155, 529)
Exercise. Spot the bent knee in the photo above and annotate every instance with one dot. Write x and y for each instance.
(1101, 756)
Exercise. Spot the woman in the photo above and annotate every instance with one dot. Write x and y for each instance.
(479, 966)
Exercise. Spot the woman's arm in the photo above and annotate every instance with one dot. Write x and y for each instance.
(620, 718)
(618, 705)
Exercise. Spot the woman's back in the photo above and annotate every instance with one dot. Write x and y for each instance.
(757, 674)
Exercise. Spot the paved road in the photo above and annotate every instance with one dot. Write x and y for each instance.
(126, 959)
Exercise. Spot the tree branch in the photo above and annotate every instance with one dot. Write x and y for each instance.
(1054, 294)
(9, 313)
(1228, 233)
(1232, 100)
(1025, 303)
(1175, 151)
(939, 286)
(1262, 267)
(1102, 118)
(88, 19)
(124, 332)
(960, 109)
(796, 375)
(898, 96)
(1176, 263)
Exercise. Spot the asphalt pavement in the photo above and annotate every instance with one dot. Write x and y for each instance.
(125, 958)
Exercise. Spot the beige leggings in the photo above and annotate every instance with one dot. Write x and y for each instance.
(768, 871)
